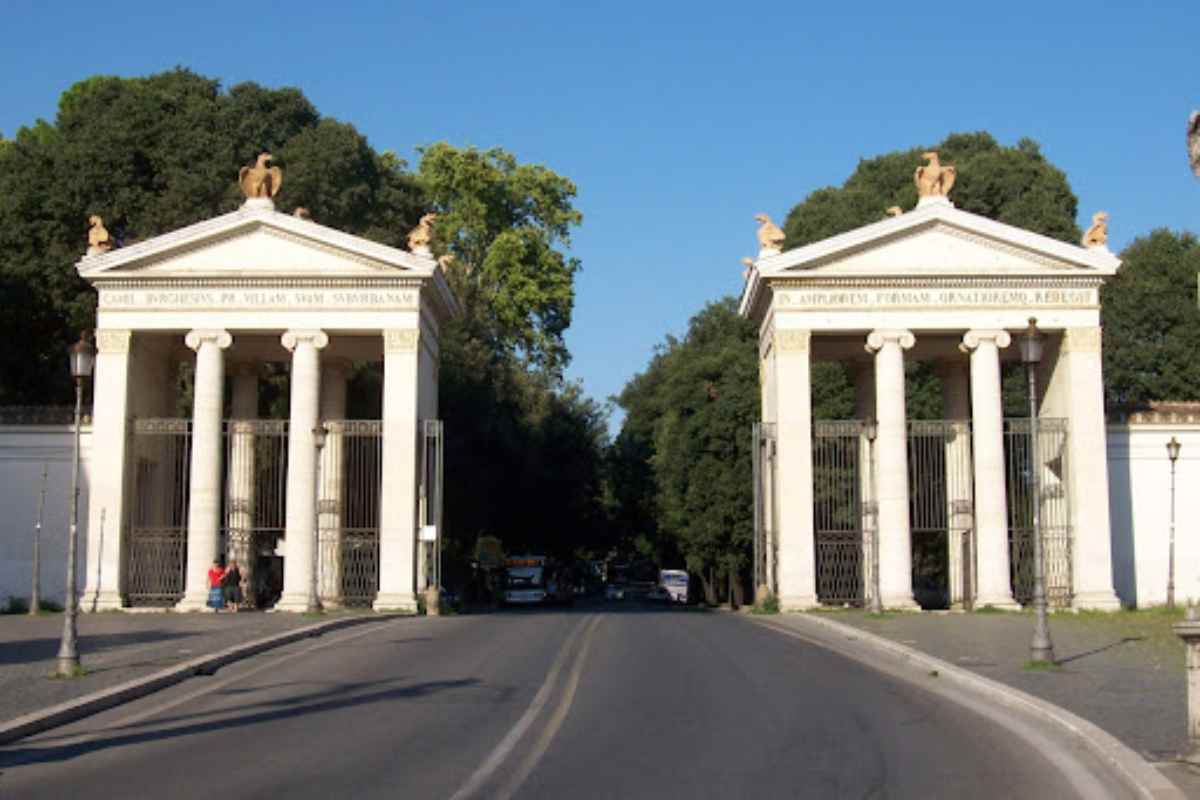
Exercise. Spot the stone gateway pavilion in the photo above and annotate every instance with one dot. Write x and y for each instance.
(953, 289)
(313, 503)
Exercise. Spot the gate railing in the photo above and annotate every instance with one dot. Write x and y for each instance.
(765, 544)
(348, 512)
(838, 486)
(1052, 466)
(941, 503)
(156, 555)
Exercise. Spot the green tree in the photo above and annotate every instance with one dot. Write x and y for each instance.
(505, 225)
(699, 400)
(1152, 323)
(151, 155)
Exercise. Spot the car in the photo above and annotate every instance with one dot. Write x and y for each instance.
(614, 591)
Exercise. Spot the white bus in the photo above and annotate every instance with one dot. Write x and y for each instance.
(675, 582)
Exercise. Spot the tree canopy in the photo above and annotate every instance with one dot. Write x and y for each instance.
(1152, 322)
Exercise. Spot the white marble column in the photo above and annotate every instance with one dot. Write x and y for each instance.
(891, 460)
(796, 566)
(241, 479)
(107, 505)
(956, 407)
(1087, 468)
(991, 496)
(299, 546)
(864, 409)
(204, 485)
(331, 493)
(398, 498)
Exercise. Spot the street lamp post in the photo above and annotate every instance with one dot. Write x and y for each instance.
(1173, 448)
(1041, 648)
(83, 360)
(314, 604)
(871, 431)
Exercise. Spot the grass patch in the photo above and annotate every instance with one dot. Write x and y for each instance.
(1041, 666)
(989, 609)
(78, 672)
(769, 605)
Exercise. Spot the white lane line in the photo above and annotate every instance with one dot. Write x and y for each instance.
(505, 748)
(556, 721)
(210, 687)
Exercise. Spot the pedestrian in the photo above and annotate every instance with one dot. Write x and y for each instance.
(231, 583)
(216, 598)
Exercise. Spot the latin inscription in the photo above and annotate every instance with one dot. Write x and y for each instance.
(935, 298)
(263, 299)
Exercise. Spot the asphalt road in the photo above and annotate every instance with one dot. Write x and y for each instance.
(596, 702)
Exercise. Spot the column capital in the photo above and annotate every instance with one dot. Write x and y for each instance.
(317, 338)
(878, 338)
(109, 340)
(217, 336)
(401, 340)
(973, 338)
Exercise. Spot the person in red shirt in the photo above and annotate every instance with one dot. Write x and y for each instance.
(216, 598)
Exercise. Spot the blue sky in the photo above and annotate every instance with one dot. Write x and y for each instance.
(678, 121)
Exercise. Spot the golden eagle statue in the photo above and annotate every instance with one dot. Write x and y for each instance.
(261, 180)
(934, 179)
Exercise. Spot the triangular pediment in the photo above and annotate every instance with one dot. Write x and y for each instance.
(255, 241)
(939, 241)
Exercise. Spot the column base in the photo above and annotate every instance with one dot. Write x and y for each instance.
(404, 602)
(94, 600)
(799, 602)
(295, 603)
(1096, 601)
(1000, 602)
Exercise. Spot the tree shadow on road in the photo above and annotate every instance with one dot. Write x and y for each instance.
(25, 651)
(313, 703)
(1098, 650)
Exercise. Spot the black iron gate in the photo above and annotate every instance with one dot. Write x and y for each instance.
(940, 503)
(156, 555)
(256, 459)
(838, 473)
(1051, 465)
(766, 547)
(348, 509)
(430, 498)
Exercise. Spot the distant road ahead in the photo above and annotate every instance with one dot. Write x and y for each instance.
(614, 701)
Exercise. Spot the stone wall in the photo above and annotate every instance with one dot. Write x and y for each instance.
(24, 450)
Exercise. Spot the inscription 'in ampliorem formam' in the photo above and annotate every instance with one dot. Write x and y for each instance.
(935, 298)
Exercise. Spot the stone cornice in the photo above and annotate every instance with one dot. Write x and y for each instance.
(818, 281)
(266, 282)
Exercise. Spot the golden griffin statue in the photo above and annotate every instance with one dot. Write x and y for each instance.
(98, 239)
(1097, 234)
(1193, 140)
(420, 236)
(770, 236)
(261, 180)
(934, 179)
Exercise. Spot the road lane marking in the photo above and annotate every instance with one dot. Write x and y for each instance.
(556, 720)
(502, 751)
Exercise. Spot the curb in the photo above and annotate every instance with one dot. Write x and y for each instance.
(94, 703)
(1138, 774)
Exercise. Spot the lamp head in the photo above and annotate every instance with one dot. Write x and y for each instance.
(82, 357)
(1173, 448)
(1030, 342)
(319, 434)
(870, 429)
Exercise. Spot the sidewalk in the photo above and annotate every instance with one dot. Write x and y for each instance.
(115, 648)
(1122, 671)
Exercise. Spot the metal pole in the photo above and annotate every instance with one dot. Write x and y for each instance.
(68, 653)
(1171, 550)
(1041, 648)
(35, 600)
